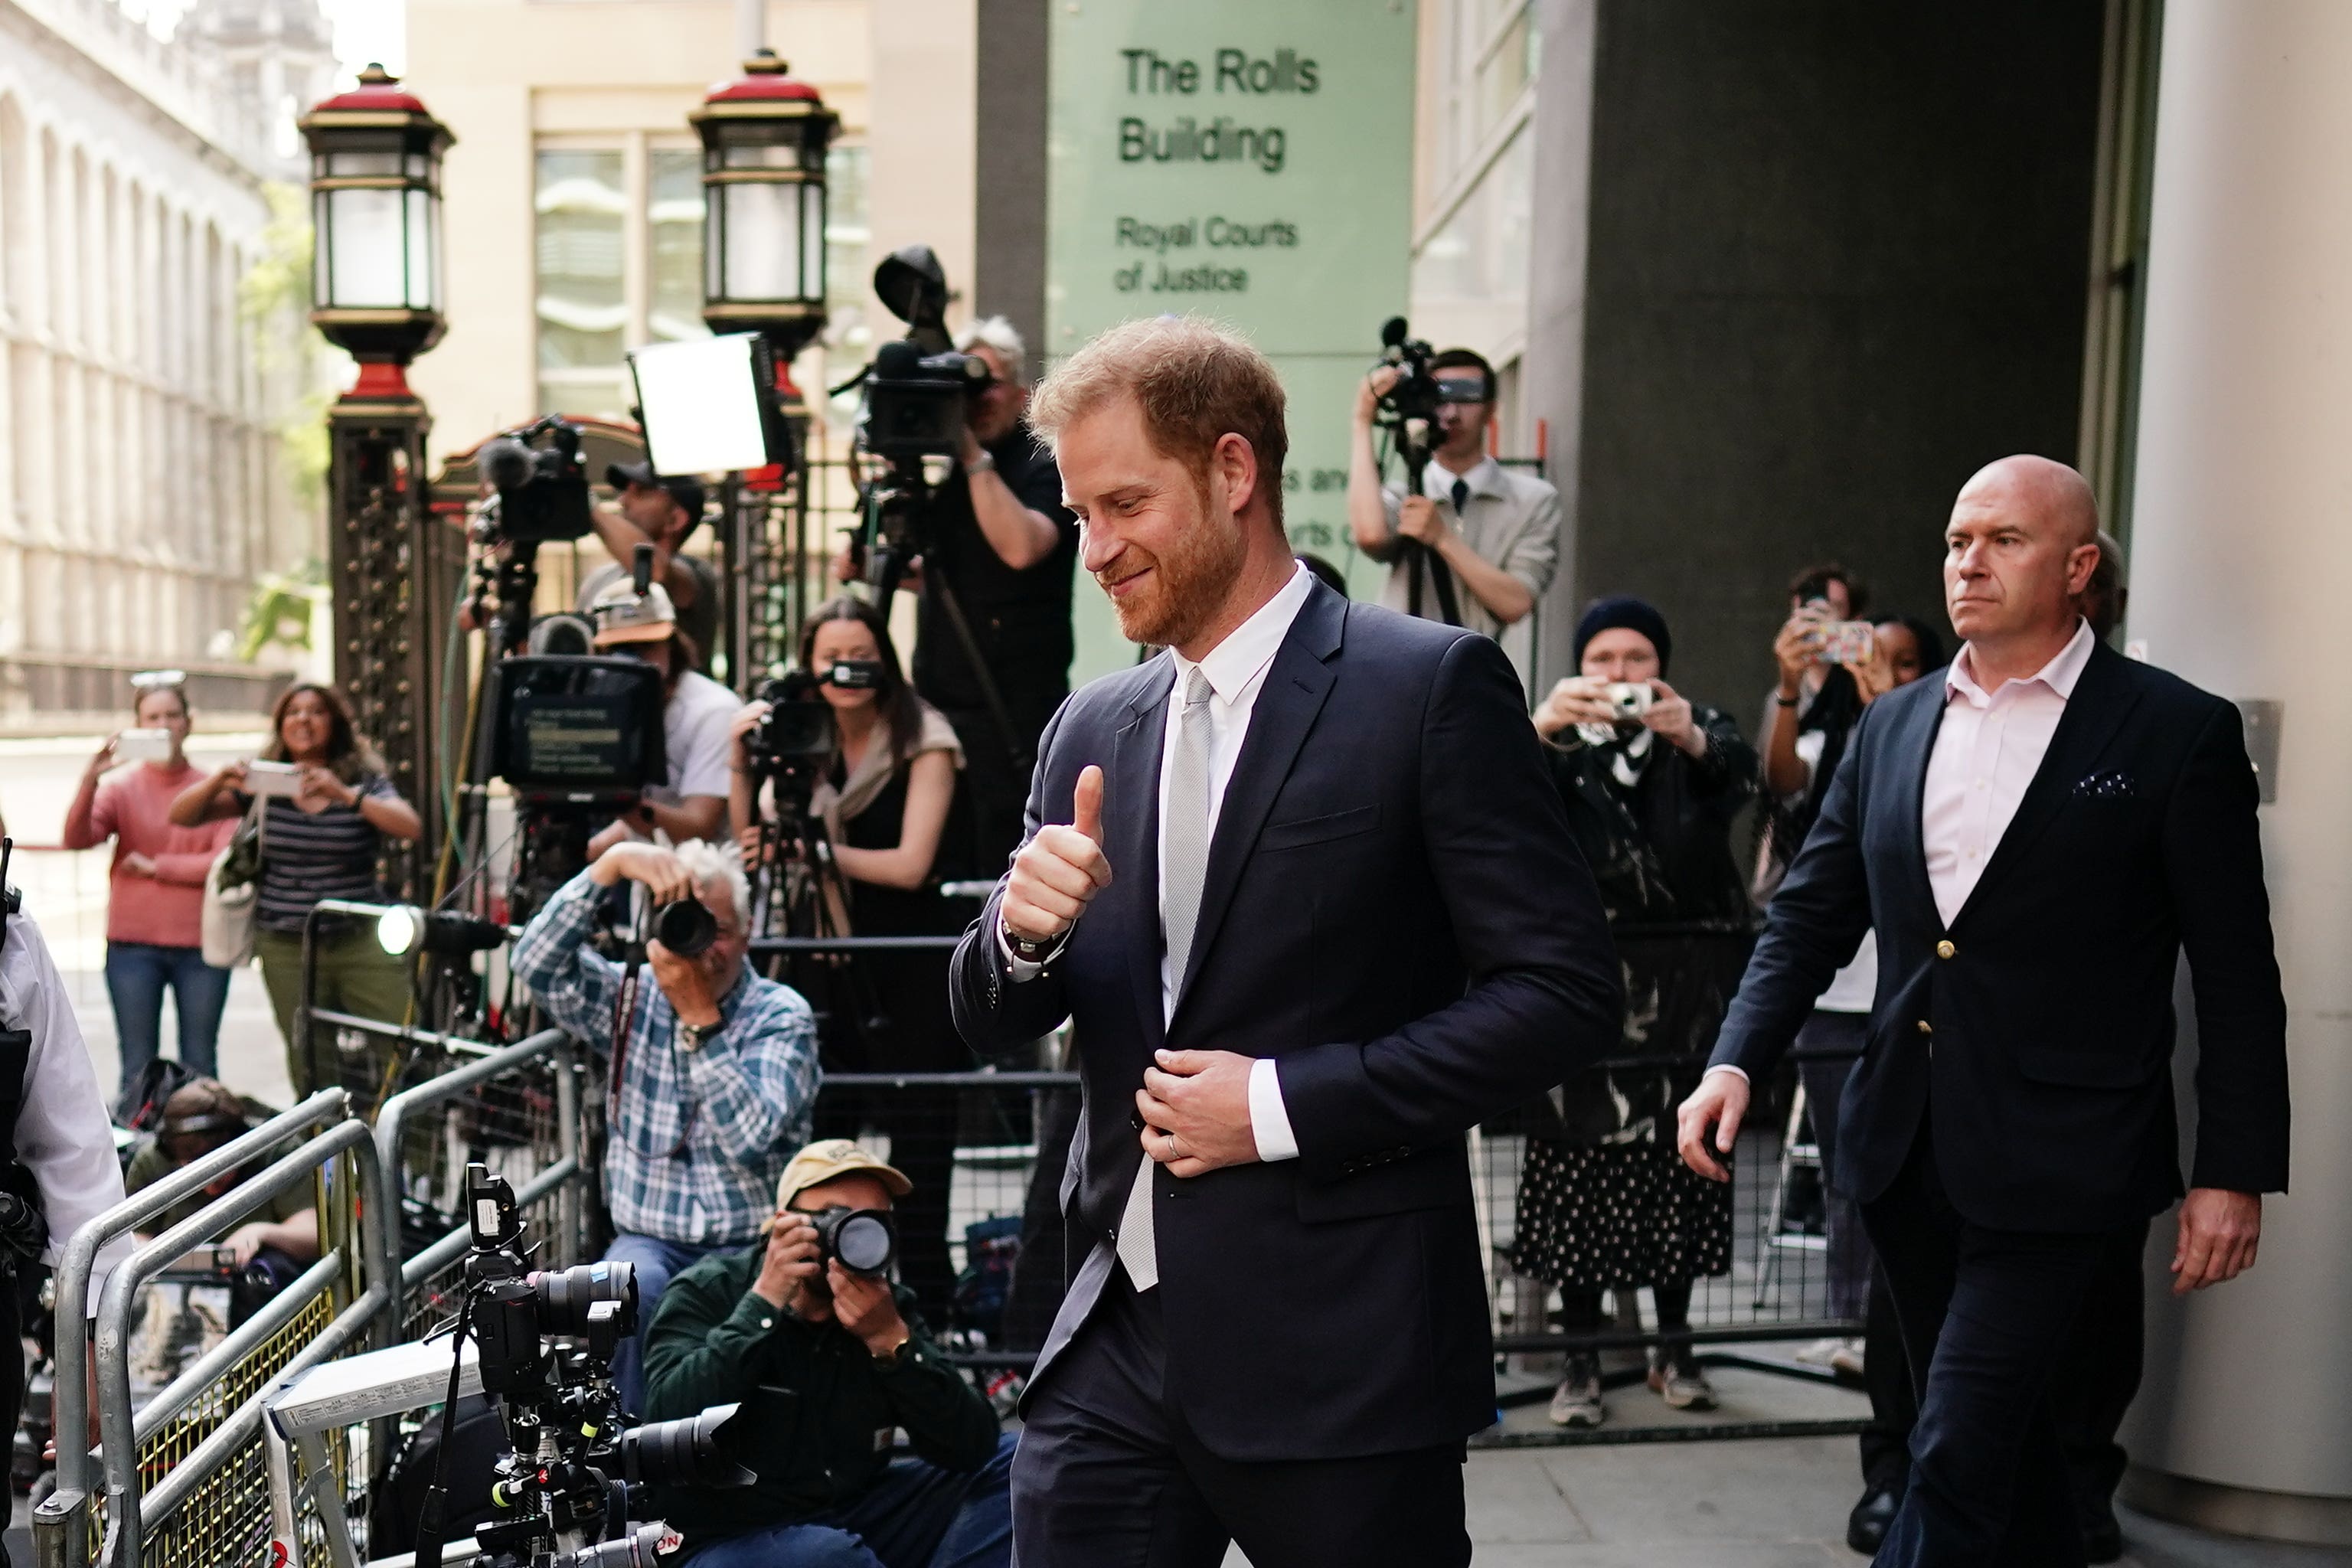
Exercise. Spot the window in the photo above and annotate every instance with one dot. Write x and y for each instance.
(674, 244)
(582, 296)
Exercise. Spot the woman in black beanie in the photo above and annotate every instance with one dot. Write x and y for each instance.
(1652, 782)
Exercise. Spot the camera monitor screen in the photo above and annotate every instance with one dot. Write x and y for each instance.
(708, 404)
(574, 725)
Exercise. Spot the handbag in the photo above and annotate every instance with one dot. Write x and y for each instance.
(233, 892)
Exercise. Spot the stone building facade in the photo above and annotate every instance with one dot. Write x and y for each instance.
(143, 492)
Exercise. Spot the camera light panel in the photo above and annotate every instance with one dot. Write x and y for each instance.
(708, 404)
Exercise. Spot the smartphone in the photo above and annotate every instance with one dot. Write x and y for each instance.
(1848, 642)
(144, 746)
(266, 778)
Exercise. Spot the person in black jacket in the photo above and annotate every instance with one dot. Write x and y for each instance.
(1304, 889)
(2036, 839)
(828, 1365)
(1605, 1204)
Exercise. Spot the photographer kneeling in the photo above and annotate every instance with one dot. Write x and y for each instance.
(886, 800)
(713, 1072)
(696, 713)
(789, 1313)
(269, 1251)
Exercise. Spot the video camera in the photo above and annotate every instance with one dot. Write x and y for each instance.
(543, 490)
(1409, 411)
(919, 394)
(561, 1495)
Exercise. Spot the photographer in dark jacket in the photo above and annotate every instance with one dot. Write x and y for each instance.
(857, 1367)
(1002, 542)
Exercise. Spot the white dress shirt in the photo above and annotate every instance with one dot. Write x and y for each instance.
(63, 1134)
(1987, 750)
(1236, 670)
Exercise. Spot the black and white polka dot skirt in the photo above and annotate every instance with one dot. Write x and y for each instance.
(1603, 1216)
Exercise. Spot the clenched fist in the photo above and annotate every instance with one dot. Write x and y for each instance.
(1058, 872)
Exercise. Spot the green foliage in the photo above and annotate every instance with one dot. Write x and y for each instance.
(279, 610)
(276, 290)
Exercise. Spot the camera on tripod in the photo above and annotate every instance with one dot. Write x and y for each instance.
(563, 1493)
(919, 394)
(543, 490)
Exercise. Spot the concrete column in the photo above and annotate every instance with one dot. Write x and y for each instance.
(2242, 568)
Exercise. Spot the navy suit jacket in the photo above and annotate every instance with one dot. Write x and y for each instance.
(1395, 913)
(2036, 1030)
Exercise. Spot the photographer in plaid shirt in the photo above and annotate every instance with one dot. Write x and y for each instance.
(711, 1084)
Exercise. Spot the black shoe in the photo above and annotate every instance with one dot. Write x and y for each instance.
(1865, 1527)
(2102, 1538)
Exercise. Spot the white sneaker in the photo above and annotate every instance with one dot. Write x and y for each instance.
(1577, 1401)
(1820, 1352)
(1847, 1360)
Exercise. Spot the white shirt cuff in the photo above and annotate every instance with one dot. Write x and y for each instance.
(1018, 969)
(1739, 1073)
(1269, 1120)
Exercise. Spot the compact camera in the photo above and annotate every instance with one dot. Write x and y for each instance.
(1629, 700)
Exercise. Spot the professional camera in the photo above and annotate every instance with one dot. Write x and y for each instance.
(793, 742)
(685, 926)
(1408, 413)
(562, 1494)
(863, 1241)
(543, 490)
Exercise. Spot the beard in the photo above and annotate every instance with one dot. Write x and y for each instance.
(1189, 580)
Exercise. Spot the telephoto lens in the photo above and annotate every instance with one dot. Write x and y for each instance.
(687, 928)
(689, 1451)
(647, 1546)
(863, 1240)
(566, 1295)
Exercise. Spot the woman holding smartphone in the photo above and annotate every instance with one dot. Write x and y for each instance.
(321, 829)
(155, 889)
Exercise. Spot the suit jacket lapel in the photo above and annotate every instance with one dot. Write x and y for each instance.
(1914, 744)
(1287, 706)
(1131, 822)
(2093, 714)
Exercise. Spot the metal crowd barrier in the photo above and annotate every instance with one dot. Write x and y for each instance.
(183, 1480)
(414, 1147)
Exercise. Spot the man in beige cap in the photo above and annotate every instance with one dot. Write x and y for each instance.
(793, 1312)
(696, 713)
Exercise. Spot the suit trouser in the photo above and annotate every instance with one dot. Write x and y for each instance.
(1986, 1314)
(1110, 1474)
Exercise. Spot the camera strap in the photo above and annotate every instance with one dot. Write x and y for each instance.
(625, 1013)
(429, 1526)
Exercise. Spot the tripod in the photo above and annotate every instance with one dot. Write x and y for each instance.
(1412, 444)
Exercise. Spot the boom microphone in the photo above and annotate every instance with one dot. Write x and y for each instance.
(505, 462)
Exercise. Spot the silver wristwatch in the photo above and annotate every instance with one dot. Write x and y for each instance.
(984, 463)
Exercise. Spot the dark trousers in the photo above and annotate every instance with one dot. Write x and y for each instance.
(1109, 1475)
(1987, 1315)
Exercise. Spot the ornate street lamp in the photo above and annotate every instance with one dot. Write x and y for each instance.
(376, 213)
(764, 139)
(376, 294)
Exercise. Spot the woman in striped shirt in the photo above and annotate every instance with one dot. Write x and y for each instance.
(320, 844)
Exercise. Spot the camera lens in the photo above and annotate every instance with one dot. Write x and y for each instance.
(863, 1241)
(687, 928)
(689, 1451)
(565, 1296)
(644, 1547)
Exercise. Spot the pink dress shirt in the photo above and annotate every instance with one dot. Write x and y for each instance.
(1987, 753)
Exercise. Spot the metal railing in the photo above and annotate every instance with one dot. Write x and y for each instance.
(416, 1166)
(182, 1479)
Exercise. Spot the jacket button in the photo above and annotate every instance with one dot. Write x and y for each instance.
(1926, 1028)
(1945, 950)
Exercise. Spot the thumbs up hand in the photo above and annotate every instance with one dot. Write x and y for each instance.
(1060, 870)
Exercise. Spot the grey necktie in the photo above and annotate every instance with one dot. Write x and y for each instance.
(1182, 869)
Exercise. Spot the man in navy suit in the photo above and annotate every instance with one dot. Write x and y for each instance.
(2036, 837)
(1303, 885)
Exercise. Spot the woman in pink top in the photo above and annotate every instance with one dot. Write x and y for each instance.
(154, 914)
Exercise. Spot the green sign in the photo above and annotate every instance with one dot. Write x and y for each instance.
(1251, 163)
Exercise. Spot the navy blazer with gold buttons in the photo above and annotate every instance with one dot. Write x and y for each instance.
(2036, 1031)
